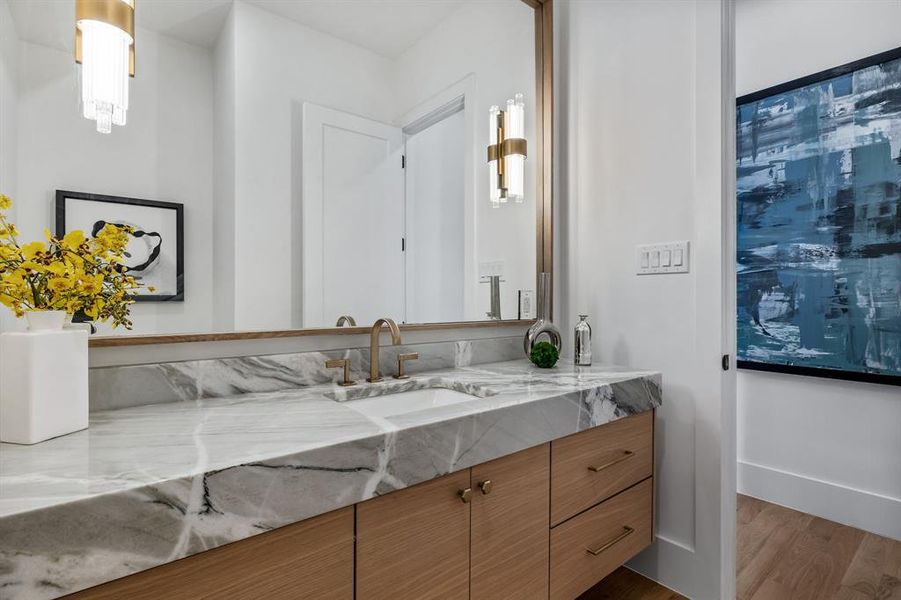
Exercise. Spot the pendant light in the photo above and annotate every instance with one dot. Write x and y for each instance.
(105, 48)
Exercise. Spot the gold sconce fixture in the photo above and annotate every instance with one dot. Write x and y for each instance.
(105, 49)
(507, 150)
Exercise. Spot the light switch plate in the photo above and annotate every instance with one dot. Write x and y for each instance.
(489, 268)
(656, 259)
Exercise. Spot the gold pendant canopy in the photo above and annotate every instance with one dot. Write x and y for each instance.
(118, 13)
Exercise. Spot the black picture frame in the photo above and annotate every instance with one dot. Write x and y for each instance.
(859, 376)
(179, 296)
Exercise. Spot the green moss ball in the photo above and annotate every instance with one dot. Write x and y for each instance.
(544, 355)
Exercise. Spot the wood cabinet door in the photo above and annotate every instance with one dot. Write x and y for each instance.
(414, 543)
(310, 560)
(510, 526)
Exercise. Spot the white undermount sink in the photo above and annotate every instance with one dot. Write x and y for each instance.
(397, 403)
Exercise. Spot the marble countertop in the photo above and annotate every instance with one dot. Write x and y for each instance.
(147, 485)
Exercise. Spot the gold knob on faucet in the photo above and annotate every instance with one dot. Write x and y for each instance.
(485, 486)
(465, 495)
(337, 363)
(401, 359)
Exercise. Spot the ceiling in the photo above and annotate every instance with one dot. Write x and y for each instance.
(386, 27)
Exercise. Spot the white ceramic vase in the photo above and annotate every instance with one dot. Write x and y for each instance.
(43, 380)
(45, 320)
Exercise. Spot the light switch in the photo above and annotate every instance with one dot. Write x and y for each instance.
(659, 259)
(489, 268)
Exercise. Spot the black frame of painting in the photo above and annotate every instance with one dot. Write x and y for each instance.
(179, 209)
(863, 63)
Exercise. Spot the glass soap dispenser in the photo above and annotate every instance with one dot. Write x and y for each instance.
(582, 355)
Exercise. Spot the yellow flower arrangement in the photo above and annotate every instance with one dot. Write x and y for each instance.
(75, 273)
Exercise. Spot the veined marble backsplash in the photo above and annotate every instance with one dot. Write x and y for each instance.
(158, 383)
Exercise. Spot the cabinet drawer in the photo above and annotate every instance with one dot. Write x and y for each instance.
(592, 545)
(593, 465)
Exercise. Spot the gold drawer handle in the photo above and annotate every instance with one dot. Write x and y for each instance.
(465, 495)
(627, 531)
(626, 454)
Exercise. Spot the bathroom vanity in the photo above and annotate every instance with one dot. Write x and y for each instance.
(344, 163)
(487, 481)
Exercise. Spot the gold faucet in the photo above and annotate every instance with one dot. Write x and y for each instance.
(374, 375)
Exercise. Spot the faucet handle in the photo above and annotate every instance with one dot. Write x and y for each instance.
(401, 359)
(337, 363)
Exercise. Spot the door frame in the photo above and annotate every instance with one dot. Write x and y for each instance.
(464, 89)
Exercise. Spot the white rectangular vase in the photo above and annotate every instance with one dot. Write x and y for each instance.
(43, 385)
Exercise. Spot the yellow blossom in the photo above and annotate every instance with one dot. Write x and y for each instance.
(32, 249)
(5, 202)
(57, 268)
(59, 284)
(73, 239)
(72, 274)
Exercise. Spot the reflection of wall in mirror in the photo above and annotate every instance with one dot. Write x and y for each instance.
(501, 63)
(164, 151)
(349, 78)
(217, 126)
(8, 121)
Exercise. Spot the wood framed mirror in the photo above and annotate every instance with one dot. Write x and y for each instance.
(329, 161)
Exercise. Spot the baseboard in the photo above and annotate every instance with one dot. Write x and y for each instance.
(673, 565)
(862, 509)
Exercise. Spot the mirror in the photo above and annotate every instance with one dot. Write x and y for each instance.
(291, 164)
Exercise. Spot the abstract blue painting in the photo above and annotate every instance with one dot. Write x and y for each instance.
(819, 224)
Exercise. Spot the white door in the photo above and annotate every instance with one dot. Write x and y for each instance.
(435, 207)
(353, 218)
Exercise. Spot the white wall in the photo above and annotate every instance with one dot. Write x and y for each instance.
(824, 447)
(164, 153)
(9, 50)
(9, 57)
(643, 92)
(224, 82)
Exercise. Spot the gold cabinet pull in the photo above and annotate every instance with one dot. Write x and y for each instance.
(339, 363)
(465, 495)
(401, 360)
(625, 455)
(485, 486)
(627, 531)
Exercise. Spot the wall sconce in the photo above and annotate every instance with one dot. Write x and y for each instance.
(507, 151)
(105, 49)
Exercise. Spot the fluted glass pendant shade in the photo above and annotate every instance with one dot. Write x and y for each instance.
(104, 49)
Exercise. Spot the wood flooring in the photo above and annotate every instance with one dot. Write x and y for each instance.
(784, 554)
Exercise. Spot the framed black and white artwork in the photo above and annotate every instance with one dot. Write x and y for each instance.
(155, 253)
